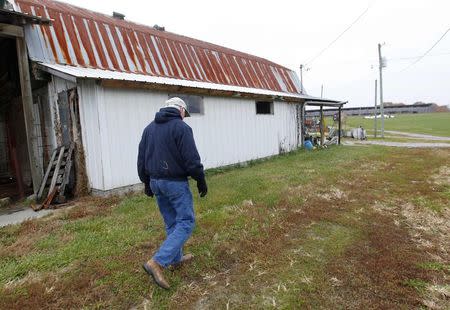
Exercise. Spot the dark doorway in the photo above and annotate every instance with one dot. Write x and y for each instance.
(15, 172)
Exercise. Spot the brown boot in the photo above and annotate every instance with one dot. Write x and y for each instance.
(184, 260)
(156, 271)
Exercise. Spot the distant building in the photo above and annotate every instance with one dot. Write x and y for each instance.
(388, 109)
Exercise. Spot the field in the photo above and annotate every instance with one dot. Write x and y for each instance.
(437, 124)
(346, 227)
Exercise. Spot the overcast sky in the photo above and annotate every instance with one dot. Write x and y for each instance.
(294, 32)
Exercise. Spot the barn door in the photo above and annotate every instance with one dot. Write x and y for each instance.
(69, 117)
(64, 118)
(70, 132)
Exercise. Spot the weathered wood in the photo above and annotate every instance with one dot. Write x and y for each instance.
(47, 173)
(67, 170)
(49, 199)
(8, 30)
(27, 101)
(56, 172)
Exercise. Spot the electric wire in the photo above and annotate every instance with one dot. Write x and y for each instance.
(429, 50)
(338, 37)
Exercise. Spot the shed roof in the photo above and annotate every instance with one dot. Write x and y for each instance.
(82, 38)
(72, 73)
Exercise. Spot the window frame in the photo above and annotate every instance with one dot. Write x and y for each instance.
(271, 107)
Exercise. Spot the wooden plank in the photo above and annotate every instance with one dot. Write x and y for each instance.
(27, 102)
(47, 173)
(8, 30)
(55, 175)
(66, 175)
(49, 199)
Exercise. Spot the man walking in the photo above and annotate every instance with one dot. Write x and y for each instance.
(167, 157)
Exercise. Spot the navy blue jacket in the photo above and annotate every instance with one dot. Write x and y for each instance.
(167, 149)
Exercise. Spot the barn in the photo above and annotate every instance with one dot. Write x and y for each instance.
(74, 76)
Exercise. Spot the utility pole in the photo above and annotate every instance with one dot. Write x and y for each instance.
(301, 79)
(321, 91)
(380, 60)
(375, 110)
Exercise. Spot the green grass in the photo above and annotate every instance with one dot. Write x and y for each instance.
(417, 284)
(266, 212)
(436, 266)
(437, 124)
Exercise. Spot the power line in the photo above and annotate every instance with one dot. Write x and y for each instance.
(338, 37)
(429, 50)
(395, 59)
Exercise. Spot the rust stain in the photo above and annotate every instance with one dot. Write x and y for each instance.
(86, 43)
(184, 58)
(60, 37)
(147, 57)
(97, 43)
(137, 54)
(108, 45)
(149, 42)
(67, 20)
(119, 48)
(81, 44)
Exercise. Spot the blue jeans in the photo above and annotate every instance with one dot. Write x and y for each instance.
(177, 209)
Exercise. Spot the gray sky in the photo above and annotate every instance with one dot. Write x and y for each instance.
(293, 32)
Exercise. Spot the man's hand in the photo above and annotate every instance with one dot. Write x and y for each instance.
(202, 187)
(148, 190)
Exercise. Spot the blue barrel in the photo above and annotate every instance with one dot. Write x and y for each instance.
(308, 145)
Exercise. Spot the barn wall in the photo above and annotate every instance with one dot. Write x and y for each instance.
(228, 132)
(91, 119)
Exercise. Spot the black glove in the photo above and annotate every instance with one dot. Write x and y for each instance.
(202, 187)
(148, 190)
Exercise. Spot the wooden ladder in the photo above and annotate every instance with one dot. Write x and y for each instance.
(56, 177)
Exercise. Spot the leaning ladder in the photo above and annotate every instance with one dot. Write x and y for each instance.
(56, 177)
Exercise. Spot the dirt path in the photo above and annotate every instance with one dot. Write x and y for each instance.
(418, 136)
(399, 144)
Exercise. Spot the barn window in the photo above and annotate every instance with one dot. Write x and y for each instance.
(194, 103)
(264, 107)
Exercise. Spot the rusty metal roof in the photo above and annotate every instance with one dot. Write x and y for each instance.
(83, 38)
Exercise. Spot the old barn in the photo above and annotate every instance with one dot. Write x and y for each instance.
(73, 76)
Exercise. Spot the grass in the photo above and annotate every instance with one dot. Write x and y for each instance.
(437, 124)
(297, 230)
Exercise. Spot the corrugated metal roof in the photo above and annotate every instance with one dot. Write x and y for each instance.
(71, 72)
(83, 38)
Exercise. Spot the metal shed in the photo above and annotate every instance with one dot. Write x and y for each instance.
(102, 78)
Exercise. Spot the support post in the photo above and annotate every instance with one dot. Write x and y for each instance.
(27, 102)
(301, 79)
(321, 126)
(375, 111)
(380, 60)
(303, 123)
(340, 125)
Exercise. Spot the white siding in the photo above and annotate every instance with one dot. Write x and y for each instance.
(229, 132)
(88, 102)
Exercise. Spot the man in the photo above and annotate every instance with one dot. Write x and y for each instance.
(167, 157)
